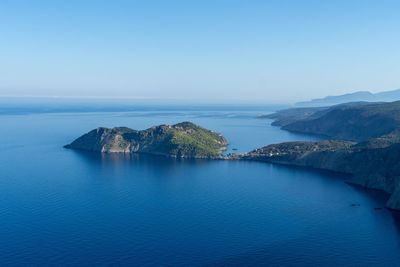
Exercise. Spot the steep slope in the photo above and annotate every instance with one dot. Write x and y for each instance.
(353, 121)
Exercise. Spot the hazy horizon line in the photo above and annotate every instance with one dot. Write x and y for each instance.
(175, 99)
(149, 99)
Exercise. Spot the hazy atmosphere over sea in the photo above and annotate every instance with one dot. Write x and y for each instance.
(220, 51)
(200, 133)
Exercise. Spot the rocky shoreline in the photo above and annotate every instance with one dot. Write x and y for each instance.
(365, 143)
(182, 140)
(372, 163)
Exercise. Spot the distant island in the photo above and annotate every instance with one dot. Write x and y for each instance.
(386, 96)
(182, 140)
(365, 142)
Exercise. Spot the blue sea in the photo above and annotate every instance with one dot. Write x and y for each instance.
(61, 207)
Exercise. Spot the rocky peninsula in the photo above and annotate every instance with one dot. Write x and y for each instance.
(182, 140)
(365, 142)
(362, 139)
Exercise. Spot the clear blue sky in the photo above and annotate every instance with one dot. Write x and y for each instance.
(229, 51)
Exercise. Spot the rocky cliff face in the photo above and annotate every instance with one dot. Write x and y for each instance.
(182, 140)
(375, 167)
(373, 158)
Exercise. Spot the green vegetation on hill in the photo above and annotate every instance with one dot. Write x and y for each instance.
(191, 139)
(182, 140)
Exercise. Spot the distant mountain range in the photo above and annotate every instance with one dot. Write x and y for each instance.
(386, 96)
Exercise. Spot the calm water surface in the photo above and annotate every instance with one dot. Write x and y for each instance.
(62, 207)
